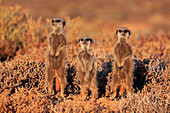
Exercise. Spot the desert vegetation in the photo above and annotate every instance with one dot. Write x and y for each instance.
(23, 45)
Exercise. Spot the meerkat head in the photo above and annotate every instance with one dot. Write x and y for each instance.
(58, 23)
(123, 32)
(85, 42)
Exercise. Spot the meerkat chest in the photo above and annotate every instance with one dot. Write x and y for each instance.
(85, 56)
(55, 40)
(122, 48)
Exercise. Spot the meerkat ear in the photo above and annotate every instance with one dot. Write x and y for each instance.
(129, 32)
(64, 23)
(91, 40)
(116, 32)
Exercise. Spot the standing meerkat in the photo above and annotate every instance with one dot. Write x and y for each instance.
(56, 55)
(122, 75)
(87, 69)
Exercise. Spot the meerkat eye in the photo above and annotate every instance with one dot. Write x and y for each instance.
(125, 31)
(119, 31)
(87, 39)
(52, 21)
(58, 21)
(81, 39)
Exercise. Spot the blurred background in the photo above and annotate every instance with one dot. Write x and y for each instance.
(139, 15)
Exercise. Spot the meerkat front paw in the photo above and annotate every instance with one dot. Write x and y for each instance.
(56, 56)
(52, 56)
(112, 96)
(120, 67)
(57, 53)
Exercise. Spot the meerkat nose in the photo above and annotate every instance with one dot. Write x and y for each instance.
(84, 42)
(122, 33)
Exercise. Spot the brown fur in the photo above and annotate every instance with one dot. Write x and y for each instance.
(122, 76)
(56, 55)
(87, 70)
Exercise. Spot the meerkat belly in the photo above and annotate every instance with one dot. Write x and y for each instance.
(123, 73)
(59, 60)
(128, 65)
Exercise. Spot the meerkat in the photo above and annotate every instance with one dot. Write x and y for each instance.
(86, 67)
(122, 75)
(56, 54)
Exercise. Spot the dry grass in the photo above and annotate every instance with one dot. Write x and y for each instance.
(22, 87)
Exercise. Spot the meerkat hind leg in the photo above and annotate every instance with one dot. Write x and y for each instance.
(114, 91)
(50, 76)
(93, 84)
(94, 88)
(128, 87)
(114, 85)
(121, 89)
(82, 84)
(61, 78)
(84, 91)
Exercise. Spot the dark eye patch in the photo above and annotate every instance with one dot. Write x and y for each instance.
(87, 39)
(52, 21)
(58, 20)
(119, 31)
(81, 39)
(125, 31)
